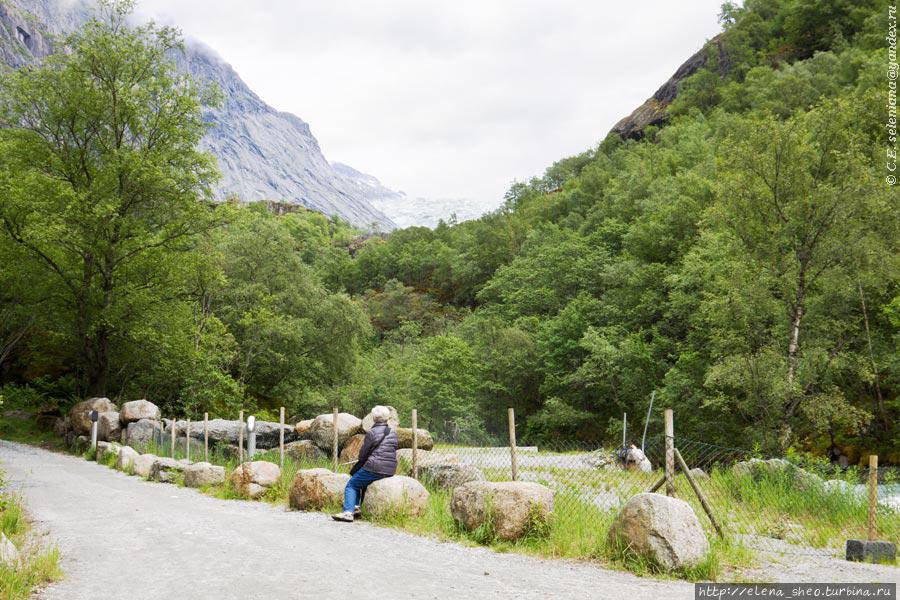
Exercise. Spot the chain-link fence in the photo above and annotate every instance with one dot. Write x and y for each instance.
(769, 504)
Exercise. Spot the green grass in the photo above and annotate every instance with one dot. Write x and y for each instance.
(38, 565)
(28, 431)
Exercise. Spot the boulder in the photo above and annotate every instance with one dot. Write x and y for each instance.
(662, 529)
(449, 475)
(126, 457)
(426, 457)
(405, 435)
(514, 507)
(304, 451)
(776, 467)
(350, 451)
(315, 489)
(396, 494)
(143, 464)
(166, 470)
(106, 448)
(635, 460)
(302, 429)
(141, 433)
(137, 410)
(80, 414)
(322, 430)
(698, 474)
(9, 554)
(202, 473)
(393, 420)
(253, 479)
(108, 427)
(227, 432)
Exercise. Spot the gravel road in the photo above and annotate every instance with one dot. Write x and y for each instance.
(123, 538)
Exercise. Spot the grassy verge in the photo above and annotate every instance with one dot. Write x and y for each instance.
(38, 565)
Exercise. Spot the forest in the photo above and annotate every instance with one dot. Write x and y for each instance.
(741, 261)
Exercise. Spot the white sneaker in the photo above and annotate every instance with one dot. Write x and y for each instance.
(343, 516)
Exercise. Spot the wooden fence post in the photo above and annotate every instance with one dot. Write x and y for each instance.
(187, 440)
(512, 444)
(334, 427)
(415, 443)
(873, 495)
(241, 438)
(281, 440)
(206, 436)
(670, 453)
(706, 507)
(172, 435)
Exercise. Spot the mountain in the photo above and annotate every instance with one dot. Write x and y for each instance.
(406, 211)
(263, 154)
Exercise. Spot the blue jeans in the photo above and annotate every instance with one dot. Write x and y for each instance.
(356, 488)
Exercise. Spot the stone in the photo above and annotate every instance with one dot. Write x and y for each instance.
(80, 414)
(302, 429)
(397, 494)
(405, 435)
(9, 554)
(425, 457)
(515, 507)
(227, 432)
(166, 470)
(350, 451)
(697, 473)
(137, 410)
(105, 448)
(875, 551)
(315, 489)
(126, 457)
(662, 529)
(322, 430)
(108, 427)
(304, 451)
(141, 433)
(636, 460)
(601, 459)
(143, 464)
(776, 467)
(202, 474)
(393, 420)
(253, 479)
(448, 475)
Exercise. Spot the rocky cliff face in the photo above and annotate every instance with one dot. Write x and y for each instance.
(655, 110)
(263, 154)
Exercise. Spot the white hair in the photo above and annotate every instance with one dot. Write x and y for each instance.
(380, 413)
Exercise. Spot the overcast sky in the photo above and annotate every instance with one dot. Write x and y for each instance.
(450, 98)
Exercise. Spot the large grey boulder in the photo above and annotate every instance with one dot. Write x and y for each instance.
(449, 475)
(126, 457)
(107, 448)
(393, 420)
(166, 470)
(350, 451)
(776, 468)
(136, 410)
(424, 440)
(659, 528)
(322, 430)
(143, 464)
(80, 414)
(302, 428)
(253, 479)
(315, 489)
(227, 432)
(202, 474)
(108, 427)
(398, 494)
(514, 507)
(141, 433)
(304, 451)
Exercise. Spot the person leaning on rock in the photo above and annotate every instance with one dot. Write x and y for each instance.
(377, 460)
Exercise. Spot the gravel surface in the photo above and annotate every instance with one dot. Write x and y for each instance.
(125, 538)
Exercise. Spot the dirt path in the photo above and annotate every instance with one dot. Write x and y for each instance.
(127, 539)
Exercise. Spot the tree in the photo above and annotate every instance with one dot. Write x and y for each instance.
(792, 194)
(101, 184)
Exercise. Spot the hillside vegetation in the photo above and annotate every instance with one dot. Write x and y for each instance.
(741, 260)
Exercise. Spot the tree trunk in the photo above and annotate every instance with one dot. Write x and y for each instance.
(793, 357)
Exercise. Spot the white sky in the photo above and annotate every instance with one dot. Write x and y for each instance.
(450, 99)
